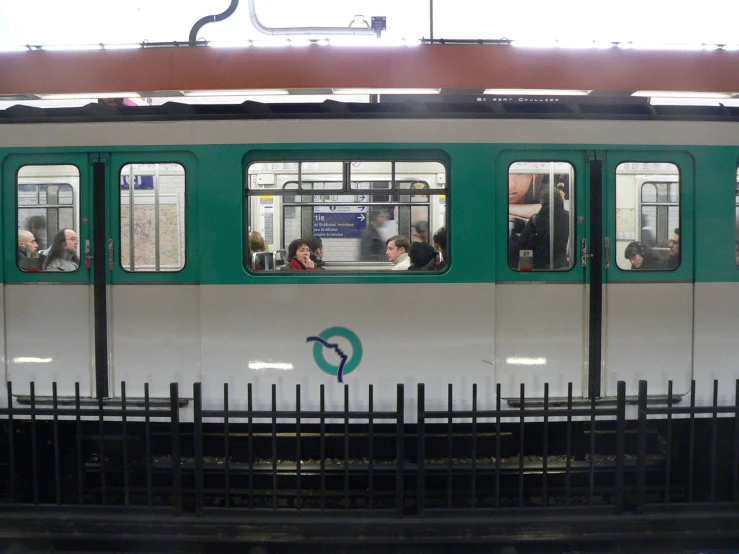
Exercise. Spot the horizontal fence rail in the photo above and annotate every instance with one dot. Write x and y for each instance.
(480, 459)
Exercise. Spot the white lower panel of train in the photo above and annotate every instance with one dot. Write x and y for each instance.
(409, 333)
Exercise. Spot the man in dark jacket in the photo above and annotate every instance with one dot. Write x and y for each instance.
(372, 247)
(26, 245)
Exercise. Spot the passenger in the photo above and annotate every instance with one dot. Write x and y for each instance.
(298, 255)
(397, 252)
(642, 256)
(316, 252)
(26, 244)
(536, 234)
(521, 195)
(256, 244)
(372, 247)
(673, 260)
(422, 232)
(62, 255)
(423, 257)
(440, 245)
(36, 224)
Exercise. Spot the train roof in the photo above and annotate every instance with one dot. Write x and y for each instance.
(580, 108)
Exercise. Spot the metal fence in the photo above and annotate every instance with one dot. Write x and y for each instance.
(561, 455)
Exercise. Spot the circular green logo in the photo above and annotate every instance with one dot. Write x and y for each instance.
(346, 365)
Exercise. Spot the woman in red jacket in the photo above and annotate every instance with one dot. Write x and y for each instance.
(299, 255)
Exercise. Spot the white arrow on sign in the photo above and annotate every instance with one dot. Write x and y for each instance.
(361, 217)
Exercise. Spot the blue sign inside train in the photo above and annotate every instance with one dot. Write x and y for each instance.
(140, 182)
(342, 225)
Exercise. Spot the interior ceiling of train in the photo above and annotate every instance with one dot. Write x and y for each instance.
(83, 25)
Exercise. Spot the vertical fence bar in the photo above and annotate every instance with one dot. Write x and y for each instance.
(449, 448)
(421, 438)
(226, 448)
(399, 450)
(101, 443)
(34, 442)
(322, 429)
(124, 428)
(545, 450)
(620, 444)
(668, 461)
(568, 458)
(298, 475)
(474, 445)
(691, 453)
(346, 447)
(176, 453)
(591, 451)
(497, 444)
(11, 442)
(57, 468)
(197, 393)
(371, 450)
(521, 444)
(714, 440)
(274, 447)
(641, 447)
(80, 461)
(147, 439)
(250, 428)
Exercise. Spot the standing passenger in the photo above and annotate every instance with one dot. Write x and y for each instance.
(440, 239)
(371, 248)
(537, 234)
(397, 252)
(62, 255)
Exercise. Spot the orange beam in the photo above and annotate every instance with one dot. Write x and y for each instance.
(321, 67)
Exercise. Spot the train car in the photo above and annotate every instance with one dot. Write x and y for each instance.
(166, 289)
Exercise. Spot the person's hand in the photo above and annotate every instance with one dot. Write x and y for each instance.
(309, 263)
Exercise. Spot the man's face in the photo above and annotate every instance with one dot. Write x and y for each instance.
(71, 242)
(393, 252)
(675, 245)
(31, 245)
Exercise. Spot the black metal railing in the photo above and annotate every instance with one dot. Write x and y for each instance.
(565, 454)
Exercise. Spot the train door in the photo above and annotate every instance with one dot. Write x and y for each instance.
(647, 271)
(47, 293)
(542, 300)
(150, 280)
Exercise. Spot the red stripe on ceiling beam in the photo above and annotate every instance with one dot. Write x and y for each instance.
(315, 67)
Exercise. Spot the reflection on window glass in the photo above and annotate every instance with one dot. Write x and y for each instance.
(47, 215)
(354, 215)
(154, 207)
(540, 220)
(647, 216)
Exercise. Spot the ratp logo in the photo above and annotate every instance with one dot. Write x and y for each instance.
(346, 365)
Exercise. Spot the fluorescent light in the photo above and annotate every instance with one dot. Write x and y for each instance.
(255, 92)
(584, 44)
(730, 47)
(32, 360)
(83, 95)
(387, 91)
(13, 49)
(680, 94)
(55, 47)
(534, 43)
(121, 46)
(261, 366)
(664, 46)
(660, 101)
(521, 360)
(536, 92)
(238, 43)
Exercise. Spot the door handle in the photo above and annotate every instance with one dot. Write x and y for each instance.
(607, 253)
(111, 251)
(88, 255)
(584, 252)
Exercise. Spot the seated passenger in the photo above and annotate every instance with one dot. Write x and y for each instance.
(440, 245)
(62, 255)
(536, 235)
(642, 256)
(26, 244)
(673, 260)
(423, 257)
(397, 252)
(298, 255)
(316, 252)
(256, 244)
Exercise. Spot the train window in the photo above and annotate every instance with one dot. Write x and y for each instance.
(348, 210)
(47, 216)
(152, 204)
(736, 230)
(647, 216)
(540, 220)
